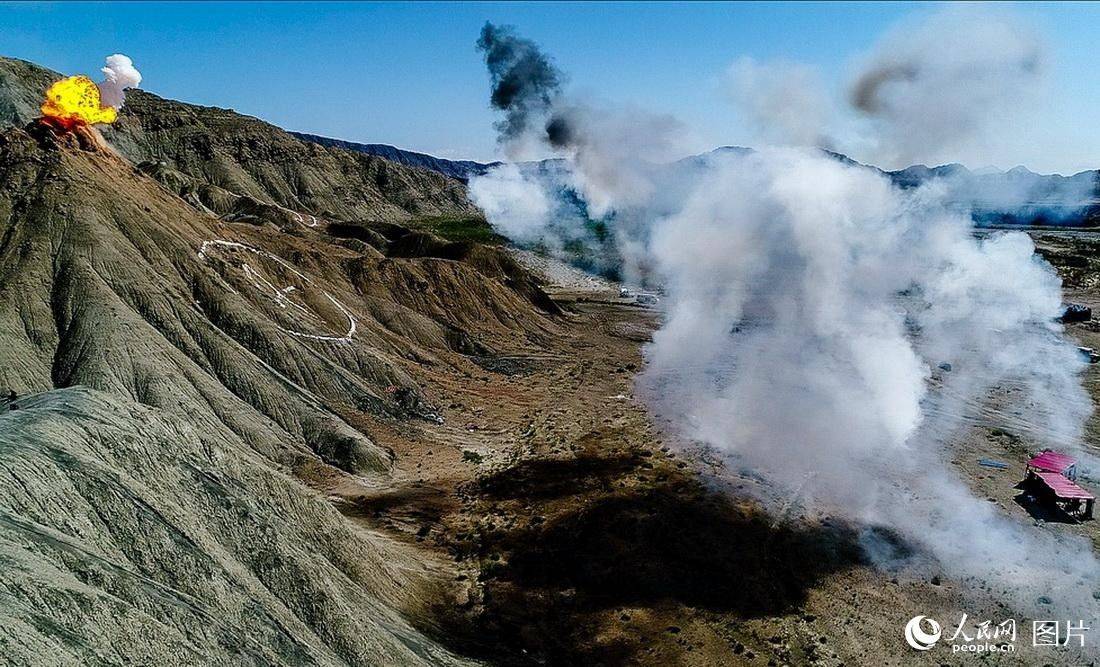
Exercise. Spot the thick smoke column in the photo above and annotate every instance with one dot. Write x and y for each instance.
(525, 83)
(812, 309)
(610, 155)
(119, 74)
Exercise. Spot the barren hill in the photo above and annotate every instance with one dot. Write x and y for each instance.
(274, 404)
(200, 321)
(232, 161)
(463, 170)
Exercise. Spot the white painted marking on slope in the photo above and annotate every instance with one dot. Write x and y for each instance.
(301, 220)
(280, 294)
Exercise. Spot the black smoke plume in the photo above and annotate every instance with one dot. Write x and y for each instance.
(561, 132)
(525, 81)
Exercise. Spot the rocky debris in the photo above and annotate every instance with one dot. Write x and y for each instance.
(1075, 312)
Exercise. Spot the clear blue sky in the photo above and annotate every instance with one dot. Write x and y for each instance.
(408, 74)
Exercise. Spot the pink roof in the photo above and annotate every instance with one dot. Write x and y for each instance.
(1062, 487)
(1052, 461)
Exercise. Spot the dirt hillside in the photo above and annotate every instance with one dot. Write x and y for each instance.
(178, 377)
(232, 162)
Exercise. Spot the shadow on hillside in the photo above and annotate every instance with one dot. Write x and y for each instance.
(552, 478)
(1039, 510)
(415, 503)
(665, 544)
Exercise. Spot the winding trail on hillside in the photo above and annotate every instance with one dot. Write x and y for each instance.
(280, 295)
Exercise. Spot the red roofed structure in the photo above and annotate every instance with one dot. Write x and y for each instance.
(1063, 488)
(1051, 474)
(1051, 461)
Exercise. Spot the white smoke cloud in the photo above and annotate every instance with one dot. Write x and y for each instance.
(519, 206)
(1019, 192)
(947, 85)
(615, 152)
(785, 103)
(119, 74)
(961, 84)
(811, 306)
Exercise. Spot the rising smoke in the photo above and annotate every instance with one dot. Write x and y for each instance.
(119, 74)
(947, 84)
(784, 103)
(810, 307)
(961, 83)
(611, 158)
(518, 205)
(525, 83)
(828, 330)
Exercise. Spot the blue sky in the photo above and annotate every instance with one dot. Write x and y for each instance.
(408, 74)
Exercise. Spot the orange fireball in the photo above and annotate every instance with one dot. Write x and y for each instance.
(76, 101)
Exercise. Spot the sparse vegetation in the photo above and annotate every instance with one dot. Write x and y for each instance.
(459, 228)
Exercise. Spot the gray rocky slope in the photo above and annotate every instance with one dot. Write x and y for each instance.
(196, 354)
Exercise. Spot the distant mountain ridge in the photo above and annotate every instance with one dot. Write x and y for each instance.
(919, 173)
(990, 195)
(1017, 196)
(462, 170)
(906, 177)
(234, 164)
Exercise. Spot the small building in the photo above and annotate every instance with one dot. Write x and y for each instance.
(1056, 462)
(1072, 499)
(1051, 476)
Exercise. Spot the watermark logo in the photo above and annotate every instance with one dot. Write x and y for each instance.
(1058, 633)
(923, 634)
(917, 637)
(984, 637)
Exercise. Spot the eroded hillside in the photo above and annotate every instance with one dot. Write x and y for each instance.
(233, 163)
(263, 402)
(179, 372)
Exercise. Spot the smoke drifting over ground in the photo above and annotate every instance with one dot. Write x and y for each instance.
(517, 205)
(812, 306)
(119, 74)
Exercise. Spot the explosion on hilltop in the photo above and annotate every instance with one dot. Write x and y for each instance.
(78, 101)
